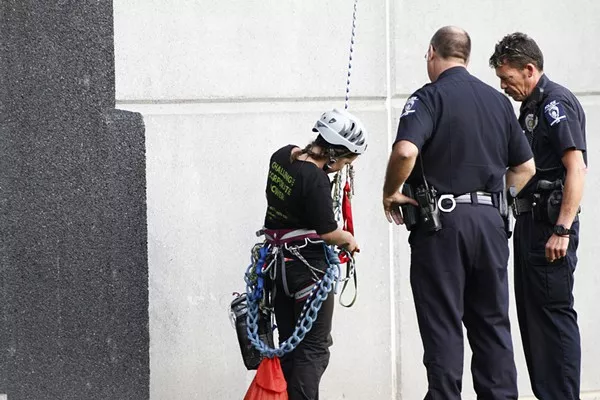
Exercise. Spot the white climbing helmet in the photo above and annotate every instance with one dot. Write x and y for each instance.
(339, 127)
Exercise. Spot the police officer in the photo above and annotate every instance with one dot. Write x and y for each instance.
(547, 225)
(456, 138)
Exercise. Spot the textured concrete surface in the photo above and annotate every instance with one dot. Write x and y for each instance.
(223, 85)
(73, 258)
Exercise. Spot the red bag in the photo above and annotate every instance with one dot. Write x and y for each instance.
(269, 382)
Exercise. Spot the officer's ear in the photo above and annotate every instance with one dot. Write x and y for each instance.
(530, 70)
(430, 53)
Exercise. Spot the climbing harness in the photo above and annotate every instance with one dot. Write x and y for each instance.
(255, 304)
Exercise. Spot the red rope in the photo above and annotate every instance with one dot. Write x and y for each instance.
(347, 217)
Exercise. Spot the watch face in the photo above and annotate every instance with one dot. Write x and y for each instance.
(561, 230)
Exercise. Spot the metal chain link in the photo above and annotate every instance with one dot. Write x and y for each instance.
(312, 305)
(337, 196)
(350, 175)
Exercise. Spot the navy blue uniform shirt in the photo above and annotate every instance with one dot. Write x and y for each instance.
(553, 121)
(466, 131)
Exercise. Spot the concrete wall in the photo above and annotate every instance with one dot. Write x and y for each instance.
(73, 260)
(223, 84)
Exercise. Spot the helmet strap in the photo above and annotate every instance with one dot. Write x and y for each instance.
(328, 164)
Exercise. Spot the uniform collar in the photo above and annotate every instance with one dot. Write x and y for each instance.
(542, 81)
(453, 71)
(537, 95)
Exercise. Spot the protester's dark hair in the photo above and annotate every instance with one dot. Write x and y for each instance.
(452, 42)
(517, 50)
(328, 151)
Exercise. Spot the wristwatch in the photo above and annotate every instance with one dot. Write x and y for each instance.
(560, 230)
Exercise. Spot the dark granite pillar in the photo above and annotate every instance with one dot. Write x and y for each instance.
(73, 236)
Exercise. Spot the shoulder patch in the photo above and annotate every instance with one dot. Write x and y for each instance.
(410, 106)
(554, 112)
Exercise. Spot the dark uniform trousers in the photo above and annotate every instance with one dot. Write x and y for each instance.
(547, 319)
(305, 365)
(459, 275)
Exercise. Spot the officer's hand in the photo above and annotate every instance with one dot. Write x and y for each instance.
(391, 206)
(556, 247)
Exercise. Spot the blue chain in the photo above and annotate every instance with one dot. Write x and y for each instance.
(310, 310)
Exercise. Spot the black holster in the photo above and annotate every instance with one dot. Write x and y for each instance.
(410, 213)
(426, 214)
(505, 199)
(547, 200)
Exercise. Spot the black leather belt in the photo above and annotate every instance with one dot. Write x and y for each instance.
(521, 206)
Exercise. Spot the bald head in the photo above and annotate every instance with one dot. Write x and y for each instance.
(452, 42)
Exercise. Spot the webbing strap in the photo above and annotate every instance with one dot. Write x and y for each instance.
(284, 276)
(282, 236)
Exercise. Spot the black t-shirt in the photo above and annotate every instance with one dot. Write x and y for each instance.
(298, 195)
(466, 132)
(553, 121)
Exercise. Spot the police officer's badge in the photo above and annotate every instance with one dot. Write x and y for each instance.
(531, 122)
(410, 106)
(554, 112)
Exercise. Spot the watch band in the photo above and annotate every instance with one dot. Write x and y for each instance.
(560, 230)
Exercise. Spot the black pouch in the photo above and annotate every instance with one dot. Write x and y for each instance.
(410, 213)
(428, 208)
(553, 205)
(250, 355)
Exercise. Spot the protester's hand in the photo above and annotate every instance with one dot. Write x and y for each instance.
(556, 247)
(391, 206)
(351, 246)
